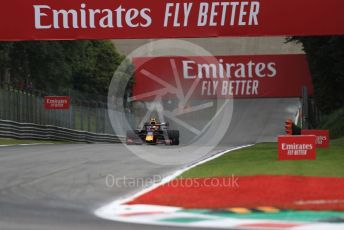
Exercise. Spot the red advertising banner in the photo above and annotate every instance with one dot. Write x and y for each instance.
(300, 147)
(56, 102)
(109, 19)
(323, 137)
(254, 76)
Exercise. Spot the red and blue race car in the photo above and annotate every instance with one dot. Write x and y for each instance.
(153, 133)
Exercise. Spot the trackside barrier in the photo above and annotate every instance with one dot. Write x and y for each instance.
(12, 129)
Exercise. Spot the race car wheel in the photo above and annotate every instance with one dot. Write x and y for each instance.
(175, 141)
(173, 135)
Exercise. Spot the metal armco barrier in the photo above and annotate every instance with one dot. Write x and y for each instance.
(12, 129)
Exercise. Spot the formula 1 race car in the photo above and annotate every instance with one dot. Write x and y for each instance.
(153, 133)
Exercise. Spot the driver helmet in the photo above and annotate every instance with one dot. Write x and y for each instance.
(152, 121)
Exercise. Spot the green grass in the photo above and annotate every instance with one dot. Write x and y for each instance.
(10, 141)
(261, 159)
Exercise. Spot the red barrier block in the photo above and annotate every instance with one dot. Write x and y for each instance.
(300, 147)
(322, 137)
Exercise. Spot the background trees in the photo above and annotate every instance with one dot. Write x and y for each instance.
(54, 66)
(326, 61)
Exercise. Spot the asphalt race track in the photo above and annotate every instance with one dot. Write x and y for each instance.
(59, 186)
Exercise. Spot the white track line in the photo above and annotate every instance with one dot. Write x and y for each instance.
(105, 211)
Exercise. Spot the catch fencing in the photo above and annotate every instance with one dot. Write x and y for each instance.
(87, 120)
(27, 106)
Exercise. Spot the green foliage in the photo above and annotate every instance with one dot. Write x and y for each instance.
(55, 66)
(261, 159)
(94, 63)
(326, 61)
(335, 123)
(41, 62)
(124, 79)
(4, 55)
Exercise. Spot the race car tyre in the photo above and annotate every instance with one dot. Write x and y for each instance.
(173, 135)
(175, 141)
